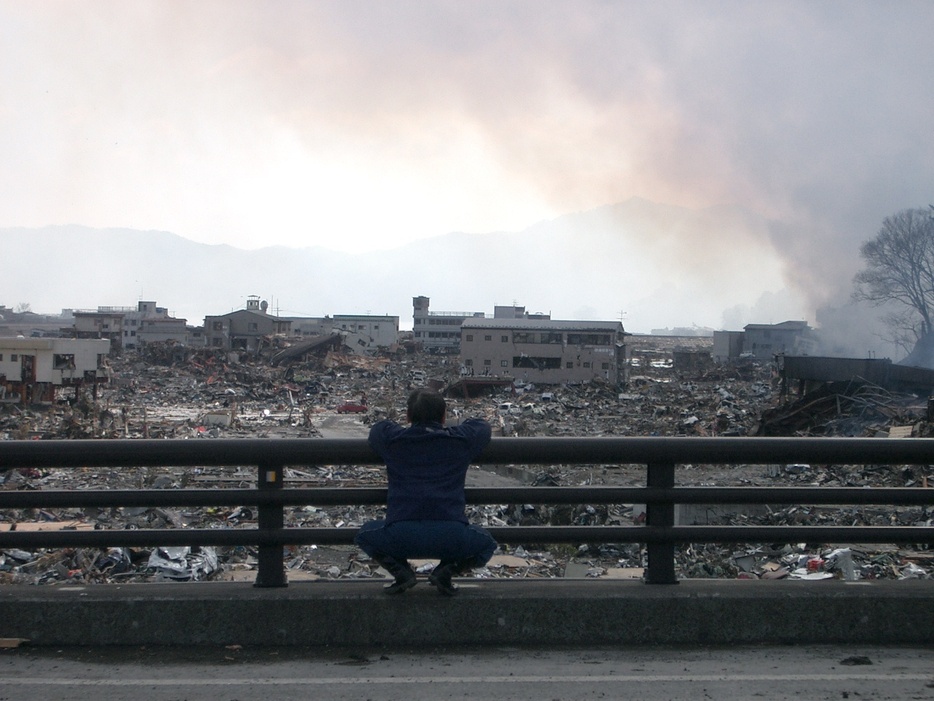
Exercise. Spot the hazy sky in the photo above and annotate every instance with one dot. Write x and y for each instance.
(366, 124)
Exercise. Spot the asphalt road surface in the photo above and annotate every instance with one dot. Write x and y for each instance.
(235, 673)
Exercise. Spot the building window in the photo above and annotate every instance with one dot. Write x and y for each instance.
(1, 357)
(569, 365)
(589, 339)
(13, 357)
(469, 337)
(487, 338)
(525, 361)
(605, 366)
(504, 363)
(533, 337)
(60, 361)
(504, 339)
(487, 362)
(253, 326)
(468, 363)
(217, 325)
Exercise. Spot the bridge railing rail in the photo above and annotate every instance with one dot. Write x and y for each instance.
(660, 457)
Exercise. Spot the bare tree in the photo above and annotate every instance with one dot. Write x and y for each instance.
(899, 269)
(904, 329)
(23, 307)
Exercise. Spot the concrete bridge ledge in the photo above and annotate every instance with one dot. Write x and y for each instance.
(485, 612)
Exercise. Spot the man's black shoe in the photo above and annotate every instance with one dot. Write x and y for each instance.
(441, 579)
(405, 581)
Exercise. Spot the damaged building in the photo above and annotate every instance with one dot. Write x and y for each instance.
(32, 368)
(849, 397)
(545, 351)
(806, 374)
(104, 322)
(763, 341)
(129, 328)
(244, 329)
(150, 323)
(371, 332)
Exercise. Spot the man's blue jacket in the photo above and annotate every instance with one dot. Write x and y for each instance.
(426, 465)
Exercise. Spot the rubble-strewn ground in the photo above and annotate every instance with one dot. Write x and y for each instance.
(202, 395)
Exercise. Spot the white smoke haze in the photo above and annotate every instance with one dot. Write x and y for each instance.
(360, 126)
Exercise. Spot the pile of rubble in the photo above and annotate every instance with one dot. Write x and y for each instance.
(204, 395)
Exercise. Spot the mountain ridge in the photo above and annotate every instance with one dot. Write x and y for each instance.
(655, 265)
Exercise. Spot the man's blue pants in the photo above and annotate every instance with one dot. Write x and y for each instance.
(451, 542)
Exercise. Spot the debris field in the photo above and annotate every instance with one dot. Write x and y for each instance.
(201, 395)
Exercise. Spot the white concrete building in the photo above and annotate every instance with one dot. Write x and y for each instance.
(33, 367)
(374, 331)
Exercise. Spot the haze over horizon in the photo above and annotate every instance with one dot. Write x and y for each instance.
(363, 126)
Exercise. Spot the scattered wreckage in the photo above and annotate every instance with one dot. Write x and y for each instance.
(201, 395)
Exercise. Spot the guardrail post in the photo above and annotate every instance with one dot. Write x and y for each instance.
(661, 569)
(271, 571)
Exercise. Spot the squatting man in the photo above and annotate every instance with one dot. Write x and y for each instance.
(426, 467)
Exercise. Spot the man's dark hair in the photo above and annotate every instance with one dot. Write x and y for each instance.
(426, 406)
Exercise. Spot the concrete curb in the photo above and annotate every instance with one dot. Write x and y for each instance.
(497, 612)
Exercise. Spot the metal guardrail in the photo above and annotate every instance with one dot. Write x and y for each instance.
(659, 455)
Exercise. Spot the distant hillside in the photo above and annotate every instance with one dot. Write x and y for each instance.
(655, 265)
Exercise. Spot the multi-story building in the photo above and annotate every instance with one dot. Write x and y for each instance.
(150, 323)
(310, 325)
(130, 327)
(106, 322)
(244, 329)
(438, 331)
(374, 331)
(161, 330)
(764, 341)
(544, 351)
(361, 332)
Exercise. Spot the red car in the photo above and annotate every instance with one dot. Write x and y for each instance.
(351, 408)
